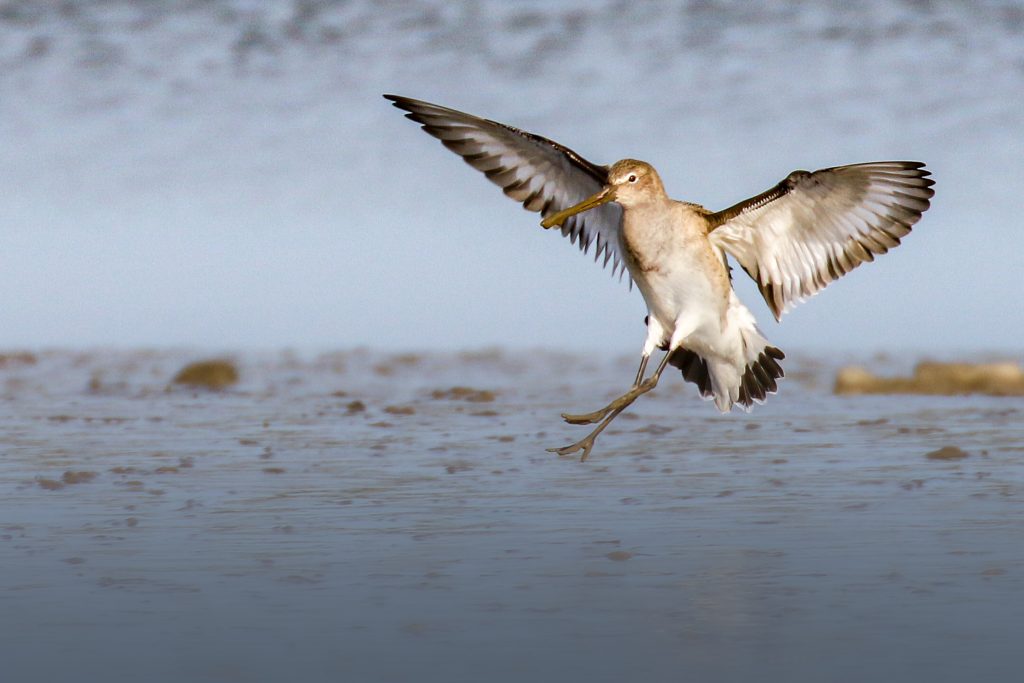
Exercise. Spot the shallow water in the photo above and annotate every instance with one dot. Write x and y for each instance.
(348, 517)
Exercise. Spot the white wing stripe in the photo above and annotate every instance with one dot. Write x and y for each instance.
(812, 228)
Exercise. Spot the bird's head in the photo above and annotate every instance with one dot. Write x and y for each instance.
(630, 182)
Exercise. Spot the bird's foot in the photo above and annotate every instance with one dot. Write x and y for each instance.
(585, 444)
(587, 418)
(620, 402)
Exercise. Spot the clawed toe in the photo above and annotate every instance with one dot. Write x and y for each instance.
(584, 445)
(585, 418)
(609, 412)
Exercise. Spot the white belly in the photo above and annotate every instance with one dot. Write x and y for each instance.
(679, 289)
(682, 294)
(690, 301)
(680, 274)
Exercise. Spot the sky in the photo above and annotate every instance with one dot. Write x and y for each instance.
(226, 175)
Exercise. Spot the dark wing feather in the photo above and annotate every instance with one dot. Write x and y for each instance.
(813, 228)
(542, 174)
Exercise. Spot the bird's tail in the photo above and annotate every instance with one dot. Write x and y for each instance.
(746, 376)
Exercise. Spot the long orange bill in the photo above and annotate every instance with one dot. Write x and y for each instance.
(607, 194)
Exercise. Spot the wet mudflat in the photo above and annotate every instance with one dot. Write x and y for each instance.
(373, 517)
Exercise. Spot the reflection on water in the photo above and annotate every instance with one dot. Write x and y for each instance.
(365, 517)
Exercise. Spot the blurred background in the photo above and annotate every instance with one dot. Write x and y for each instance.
(351, 471)
(225, 173)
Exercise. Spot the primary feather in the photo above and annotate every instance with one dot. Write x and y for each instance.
(543, 175)
(813, 228)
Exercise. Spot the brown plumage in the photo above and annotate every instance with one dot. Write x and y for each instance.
(793, 240)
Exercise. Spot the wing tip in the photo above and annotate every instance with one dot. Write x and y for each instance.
(534, 196)
(407, 105)
(773, 297)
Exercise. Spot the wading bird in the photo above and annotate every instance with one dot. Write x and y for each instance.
(793, 240)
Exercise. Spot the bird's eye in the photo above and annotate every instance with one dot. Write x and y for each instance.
(632, 178)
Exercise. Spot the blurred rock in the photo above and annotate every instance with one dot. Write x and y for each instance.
(947, 453)
(208, 374)
(947, 379)
(72, 477)
(463, 394)
(17, 358)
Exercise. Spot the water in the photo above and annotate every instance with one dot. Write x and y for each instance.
(345, 516)
(225, 175)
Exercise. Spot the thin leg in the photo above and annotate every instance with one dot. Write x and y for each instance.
(640, 372)
(617, 406)
(598, 415)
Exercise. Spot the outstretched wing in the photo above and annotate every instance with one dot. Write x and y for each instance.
(540, 173)
(813, 228)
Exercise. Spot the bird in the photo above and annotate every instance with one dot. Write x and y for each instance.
(792, 240)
